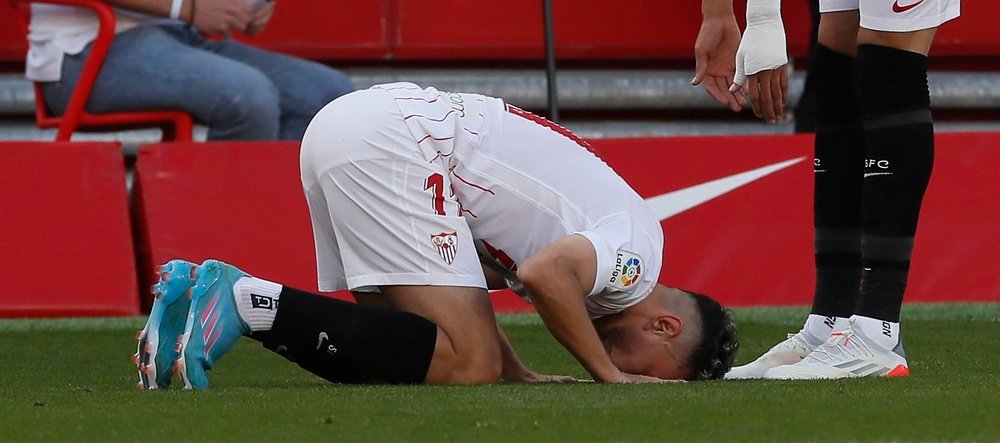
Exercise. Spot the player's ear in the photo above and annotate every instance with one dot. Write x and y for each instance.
(667, 325)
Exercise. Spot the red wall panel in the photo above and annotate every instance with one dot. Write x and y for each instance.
(584, 29)
(973, 34)
(13, 44)
(238, 202)
(65, 238)
(320, 29)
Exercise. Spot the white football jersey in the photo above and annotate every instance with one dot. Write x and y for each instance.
(522, 182)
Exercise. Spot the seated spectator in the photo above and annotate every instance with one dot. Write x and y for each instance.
(177, 54)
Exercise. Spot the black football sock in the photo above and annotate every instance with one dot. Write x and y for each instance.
(839, 155)
(350, 343)
(899, 148)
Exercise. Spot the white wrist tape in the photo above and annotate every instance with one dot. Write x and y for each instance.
(175, 8)
(763, 43)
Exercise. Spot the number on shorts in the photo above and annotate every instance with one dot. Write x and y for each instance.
(435, 182)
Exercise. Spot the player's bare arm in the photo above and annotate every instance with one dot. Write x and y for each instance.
(715, 52)
(514, 369)
(558, 278)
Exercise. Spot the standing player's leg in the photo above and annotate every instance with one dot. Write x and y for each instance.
(837, 194)
(839, 155)
(899, 137)
(891, 77)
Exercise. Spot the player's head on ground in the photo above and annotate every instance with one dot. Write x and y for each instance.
(672, 334)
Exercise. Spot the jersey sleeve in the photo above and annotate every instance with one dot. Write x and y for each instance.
(627, 265)
(605, 258)
(619, 254)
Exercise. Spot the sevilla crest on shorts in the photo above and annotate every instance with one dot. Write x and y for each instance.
(446, 244)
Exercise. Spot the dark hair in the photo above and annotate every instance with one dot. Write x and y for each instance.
(716, 350)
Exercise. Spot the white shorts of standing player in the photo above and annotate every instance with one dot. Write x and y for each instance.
(896, 15)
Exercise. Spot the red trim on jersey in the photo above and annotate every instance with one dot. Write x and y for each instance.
(435, 138)
(462, 210)
(441, 154)
(549, 124)
(412, 88)
(416, 98)
(431, 119)
(500, 256)
(452, 171)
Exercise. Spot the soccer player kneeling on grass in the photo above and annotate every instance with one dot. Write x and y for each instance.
(420, 201)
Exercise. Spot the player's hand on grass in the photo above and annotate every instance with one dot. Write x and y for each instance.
(534, 377)
(627, 378)
(639, 378)
(715, 56)
(761, 61)
(221, 17)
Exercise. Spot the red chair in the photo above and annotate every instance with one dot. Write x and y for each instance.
(176, 125)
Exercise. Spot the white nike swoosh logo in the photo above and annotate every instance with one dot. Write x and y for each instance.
(672, 203)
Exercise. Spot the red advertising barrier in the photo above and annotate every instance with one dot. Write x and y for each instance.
(65, 239)
(491, 30)
(238, 202)
(736, 211)
(752, 245)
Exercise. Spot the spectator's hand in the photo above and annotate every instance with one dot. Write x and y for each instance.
(715, 59)
(260, 18)
(221, 17)
(761, 70)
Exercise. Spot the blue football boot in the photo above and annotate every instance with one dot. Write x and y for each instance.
(213, 323)
(157, 349)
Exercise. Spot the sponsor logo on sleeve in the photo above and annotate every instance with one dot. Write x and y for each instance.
(628, 269)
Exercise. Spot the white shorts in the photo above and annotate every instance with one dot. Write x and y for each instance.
(896, 15)
(375, 201)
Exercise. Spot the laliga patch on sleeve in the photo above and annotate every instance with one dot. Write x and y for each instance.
(628, 269)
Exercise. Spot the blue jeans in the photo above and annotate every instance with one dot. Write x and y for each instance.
(238, 91)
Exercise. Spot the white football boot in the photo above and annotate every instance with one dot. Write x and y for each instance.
(789, 351)
(815, 331)
(847, 354)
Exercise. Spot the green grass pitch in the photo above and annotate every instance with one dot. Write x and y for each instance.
(71, 380)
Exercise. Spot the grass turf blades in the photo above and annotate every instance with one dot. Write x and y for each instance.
(72, 380)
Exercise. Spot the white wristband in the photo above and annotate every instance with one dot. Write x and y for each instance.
(175, 8)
